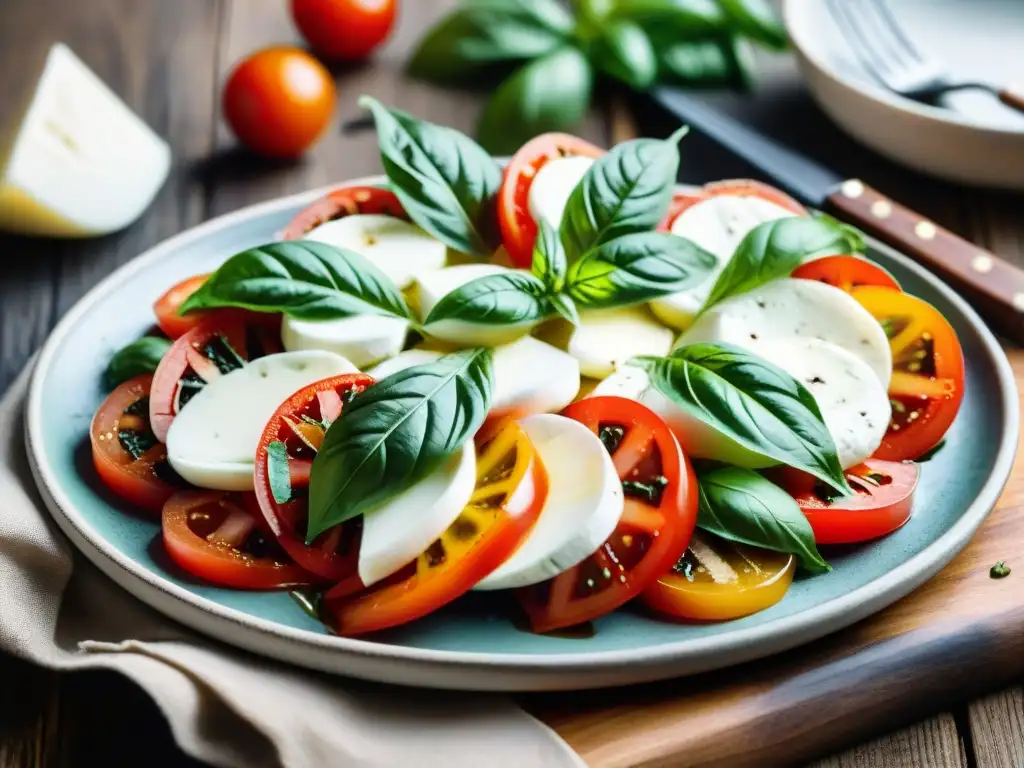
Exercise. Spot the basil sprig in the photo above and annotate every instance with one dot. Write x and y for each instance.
(742, 506)
(751, 401)
(508, 298)
(445, 181)
(395, 433)
(304, 279)
(141, 356)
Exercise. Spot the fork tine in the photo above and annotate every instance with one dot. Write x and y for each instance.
(883, 32)
(908, 45)
(856, 37)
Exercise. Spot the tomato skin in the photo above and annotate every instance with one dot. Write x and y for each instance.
(134, 480)
(279, 101)
(518, 229)
(344, 29)
(166, 307)
(339, 203)
(734, 187)
(846, 273)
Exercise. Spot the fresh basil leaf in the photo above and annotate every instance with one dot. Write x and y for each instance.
(483, 33)
(624, 52)
(549, 262)
(278, 473)
(141, 356)
(757, 20)
(681, 19)
(566, 307)
(446, 182)
(626, 191)
(395, 433)
(719, 62)
(751, 401)
(774, 249)
(303, 279)
(855, 238)
(637, 268)
(504, 299)
(742, 506)
(551, 93)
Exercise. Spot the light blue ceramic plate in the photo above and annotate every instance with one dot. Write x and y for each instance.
(470, 646)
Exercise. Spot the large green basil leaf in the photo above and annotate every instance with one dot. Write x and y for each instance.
(395, 433)
(626, 191)
(446, 182)
(303, 279)
(757, 20)
(742, 506)
(551, 93)
(483, 33)
(549, 261)
(141, 356)
(624, 52)
(504, 299)
(751, 401)
(637, 268)
(682, 19)
(774, 249)
(719, 62)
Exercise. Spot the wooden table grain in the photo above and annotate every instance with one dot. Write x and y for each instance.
(167, 58)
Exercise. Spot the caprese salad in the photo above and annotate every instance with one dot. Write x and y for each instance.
(561, 379)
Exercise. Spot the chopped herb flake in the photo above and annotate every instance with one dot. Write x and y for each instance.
(999, 571)
(649, 492)
(139, 408)
(223, 355)
(278, 473)
(136, 443)
(611, 436)
(930, 454)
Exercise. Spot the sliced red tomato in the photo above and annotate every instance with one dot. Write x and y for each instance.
(167, 306)
(719, 580)
(731, 187)
(299, 424)
(927, 383)
(656, 525)
(339, 203)
(510, 491)
(518, 229)
(216, 536)
(882, 502)
(846, 273)
(220, 343)
(128, 457)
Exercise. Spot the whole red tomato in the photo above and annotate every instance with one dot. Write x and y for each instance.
(278, 101)
(344, 29)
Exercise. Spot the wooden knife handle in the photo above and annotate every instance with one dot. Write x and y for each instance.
(993, 286)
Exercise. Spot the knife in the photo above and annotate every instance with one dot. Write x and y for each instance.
(994, 286)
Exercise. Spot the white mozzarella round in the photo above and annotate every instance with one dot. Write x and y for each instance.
(396, 533)
(607, 338)
(583, 505)
(792, 308)
(552, 187)
(212, 442)
(363, 339)
(433, 286)
(403, 360)
(400, 249)
(717, 225)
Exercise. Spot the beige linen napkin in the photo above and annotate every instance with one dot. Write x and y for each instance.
(225, 706)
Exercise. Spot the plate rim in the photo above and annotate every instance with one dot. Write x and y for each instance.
(551, 671)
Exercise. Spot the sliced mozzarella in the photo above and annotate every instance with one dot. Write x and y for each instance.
(402, 250)
(583, 506)
(403, 360)
(212, 442)
(793, 308)
(553, 185)
(607, 338)
(717, 225)
(433, 286)
(853, 403)
(363, 339)
(396, 533)
(81, 162)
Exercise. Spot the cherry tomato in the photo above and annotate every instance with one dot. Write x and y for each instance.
(882, 502)
(718, 580)
(343, 202)
(927, 383)
(278, 101)
(344, 29)
(510, 491)
(219, 343)
(846, 273)
(167, 306)
(128, 457)
(518, 229)
(656, 525)
(300, 423)
(732, 187)
(215, 536)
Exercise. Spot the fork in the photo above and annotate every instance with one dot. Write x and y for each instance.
(887, 52)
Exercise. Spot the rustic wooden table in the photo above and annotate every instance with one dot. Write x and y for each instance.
(167, 60)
